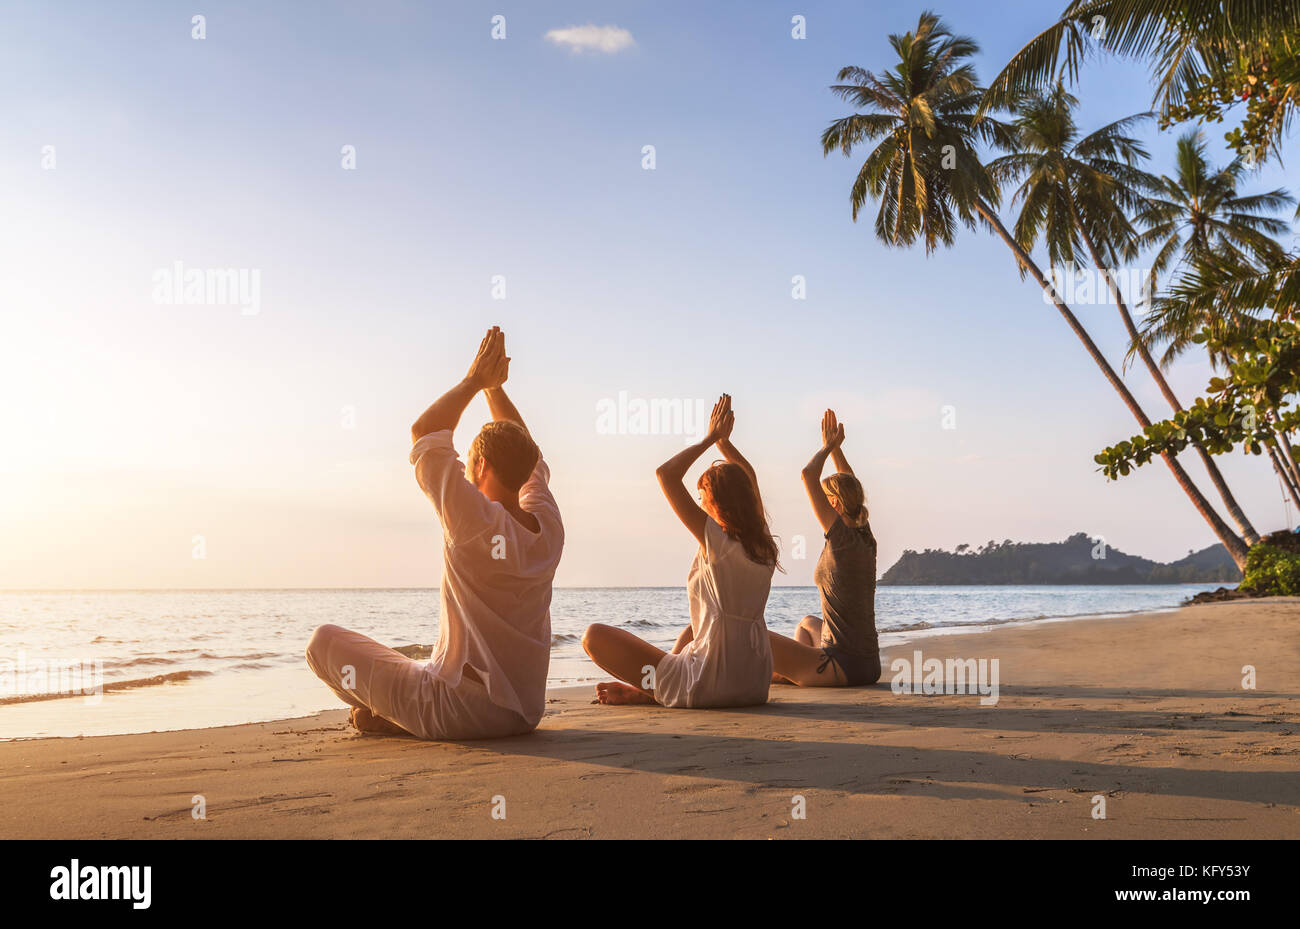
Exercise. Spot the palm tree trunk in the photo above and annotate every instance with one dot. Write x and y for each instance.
(1285, 476)
(1216, 476)
(1282, 449)
(1231, 541)
(1287, 455)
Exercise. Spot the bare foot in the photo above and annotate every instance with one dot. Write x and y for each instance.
(365, 721)
(616, 692)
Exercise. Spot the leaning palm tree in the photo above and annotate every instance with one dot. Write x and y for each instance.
(926, 173)
(1187, 40)
(1076, 193)
(1197, 217)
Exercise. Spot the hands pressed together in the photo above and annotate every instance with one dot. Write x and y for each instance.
(722, 420)
(491, 366)
(832, 431)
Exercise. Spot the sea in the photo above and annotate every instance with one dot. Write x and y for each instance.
(83, 663)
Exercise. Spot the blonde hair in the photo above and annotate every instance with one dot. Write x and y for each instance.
(848, 490)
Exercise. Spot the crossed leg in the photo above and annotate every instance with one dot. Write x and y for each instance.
(801, 660)
(627, 657)
(363, 674)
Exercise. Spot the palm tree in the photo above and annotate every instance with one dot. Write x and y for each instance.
(1186, 40)
(1197, 220)
(925, 172)
(1076, 194)
(927, 175)
(1195, 303)
(1195, 216)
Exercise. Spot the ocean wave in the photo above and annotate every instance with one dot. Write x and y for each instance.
(1011, 620)
(136, 662)
(251, 656)
(175, 677)
(648, 624)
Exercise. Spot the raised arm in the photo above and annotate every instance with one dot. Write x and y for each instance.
(732, 454)
(672, 471)
(833, 438)
(499, 404)
(501, 408)
(487, 372)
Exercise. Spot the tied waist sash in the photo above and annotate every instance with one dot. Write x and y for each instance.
(757, 628)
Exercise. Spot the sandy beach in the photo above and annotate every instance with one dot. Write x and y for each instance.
(1147, 711)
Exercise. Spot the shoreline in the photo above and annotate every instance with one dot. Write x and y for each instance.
(1145, 714)
(144, 689)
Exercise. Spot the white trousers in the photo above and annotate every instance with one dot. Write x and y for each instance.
(403, 691)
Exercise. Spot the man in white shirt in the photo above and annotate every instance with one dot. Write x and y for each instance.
(502, 538)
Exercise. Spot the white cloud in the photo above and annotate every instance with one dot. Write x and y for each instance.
(607, 39)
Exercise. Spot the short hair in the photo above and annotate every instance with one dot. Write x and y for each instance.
(509, 449)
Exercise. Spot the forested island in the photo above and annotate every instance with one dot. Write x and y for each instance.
(1077, 560)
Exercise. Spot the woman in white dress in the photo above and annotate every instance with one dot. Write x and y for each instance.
(723, 658)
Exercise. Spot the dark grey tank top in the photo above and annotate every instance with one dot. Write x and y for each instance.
(846, 580)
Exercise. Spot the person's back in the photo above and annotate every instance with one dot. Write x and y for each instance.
(497, 580)
(723, 658)
(846, 583)
(728, 594)
(502, 539)
(840, 647)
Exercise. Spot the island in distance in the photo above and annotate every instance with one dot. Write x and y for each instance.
(1078, 560)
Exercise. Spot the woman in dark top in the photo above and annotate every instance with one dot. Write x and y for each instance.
(839, 648)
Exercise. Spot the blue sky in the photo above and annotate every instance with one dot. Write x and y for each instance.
(137, 427)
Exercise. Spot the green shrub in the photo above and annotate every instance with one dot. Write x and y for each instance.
(1272, 571)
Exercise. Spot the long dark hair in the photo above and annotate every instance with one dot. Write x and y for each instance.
(735, 498)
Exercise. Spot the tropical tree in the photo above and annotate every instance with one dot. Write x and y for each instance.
(1205, 54)
(1197, 217)
(1076, 193)
(1253, 289)
(1253, 406)
(926, 174)
(1196, 220)
(925, 171)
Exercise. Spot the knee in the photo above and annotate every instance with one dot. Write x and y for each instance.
(593, 634)
(316, 644)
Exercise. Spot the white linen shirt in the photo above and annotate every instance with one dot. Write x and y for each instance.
(496, 579)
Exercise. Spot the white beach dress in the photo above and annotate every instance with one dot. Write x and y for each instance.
(495, 616)
(729, 661)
